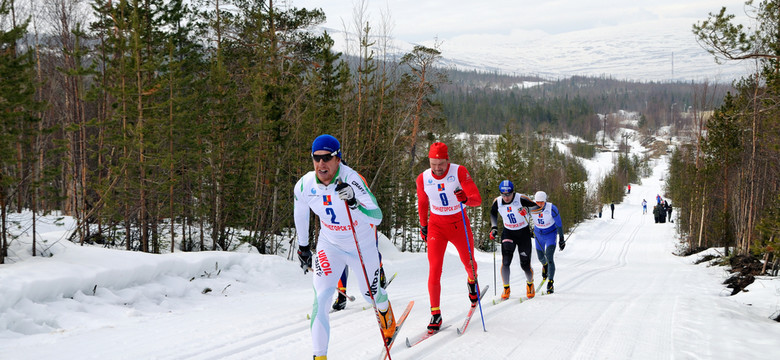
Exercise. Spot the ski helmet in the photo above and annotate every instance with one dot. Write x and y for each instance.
(506, 186)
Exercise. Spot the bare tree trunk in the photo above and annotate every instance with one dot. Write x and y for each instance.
(4, 242)
(37, 168)
(142, 216)
(170, 153)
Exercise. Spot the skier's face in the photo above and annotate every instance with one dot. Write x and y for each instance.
(325, 165)
(439, 166)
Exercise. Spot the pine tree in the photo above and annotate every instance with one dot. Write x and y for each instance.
(17, 116)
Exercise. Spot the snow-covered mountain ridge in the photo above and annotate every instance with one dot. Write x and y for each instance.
(629, 51)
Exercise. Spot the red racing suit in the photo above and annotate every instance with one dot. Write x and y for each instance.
(437, 196)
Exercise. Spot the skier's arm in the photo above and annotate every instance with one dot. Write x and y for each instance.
(301, 214)
(367, 204)
(469, 187)
(494, 213)
(422, 201)
(558, 221)
(526, 201)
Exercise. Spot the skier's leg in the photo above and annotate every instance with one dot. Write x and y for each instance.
(549, 253)
(328, 266)
(465, 248)
(507, 252)
(524, 250)
(371, 262)
(437, 244)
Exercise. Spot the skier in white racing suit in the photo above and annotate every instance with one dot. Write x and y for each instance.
(324, 191)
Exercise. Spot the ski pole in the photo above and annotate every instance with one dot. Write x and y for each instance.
(495, 286)
(365, 275)
(473, 270)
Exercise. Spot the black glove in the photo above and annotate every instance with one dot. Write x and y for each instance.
(561, 242)
(304, 255)
(493, 233)
(347, 194)
(424, 233)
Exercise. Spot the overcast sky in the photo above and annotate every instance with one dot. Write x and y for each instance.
(423, 20)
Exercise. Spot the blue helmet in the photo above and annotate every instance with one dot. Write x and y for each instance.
(506, 186)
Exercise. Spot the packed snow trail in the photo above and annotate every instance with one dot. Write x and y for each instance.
(620, 293)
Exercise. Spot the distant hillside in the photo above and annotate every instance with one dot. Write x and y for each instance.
(484, 102)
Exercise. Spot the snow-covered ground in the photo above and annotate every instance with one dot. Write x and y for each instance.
(620, 294)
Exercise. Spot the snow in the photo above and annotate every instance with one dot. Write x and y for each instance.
(621, 293)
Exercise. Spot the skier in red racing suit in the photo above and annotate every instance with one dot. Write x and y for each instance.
(441, 190)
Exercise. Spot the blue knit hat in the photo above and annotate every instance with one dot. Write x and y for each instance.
(506, 186)
(326, 142)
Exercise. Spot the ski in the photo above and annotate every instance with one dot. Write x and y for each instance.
(391, 280)
(466, 322)
(398, 324)
(539, 288)
(499, 300)
(423, 336)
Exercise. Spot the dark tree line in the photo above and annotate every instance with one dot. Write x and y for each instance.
(566, 105)
(165, 125)
(726, 183)
(184, 126)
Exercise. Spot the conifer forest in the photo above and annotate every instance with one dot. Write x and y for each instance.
(172, 125)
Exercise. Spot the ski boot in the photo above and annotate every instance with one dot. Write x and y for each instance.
(382, 279)
(529, 290)
(505, 294)
(323, 357)
(473, 296)
(341, 301)
(550, 288)
(435, 323)
(387, 322)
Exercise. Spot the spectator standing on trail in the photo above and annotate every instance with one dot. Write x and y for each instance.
(441, 190)
(513, 208)
(629, 188)
(668, 210)
(320, 191)
(612, 207)
(547, 223)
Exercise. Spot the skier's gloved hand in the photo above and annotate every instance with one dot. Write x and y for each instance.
(561, 242)
(523, 212)
(461, 195)
(304, 255)
(493, 233)
(347, 194)
(424, 233)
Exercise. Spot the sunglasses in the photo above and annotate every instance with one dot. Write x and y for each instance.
(324, 157)
(506, 193)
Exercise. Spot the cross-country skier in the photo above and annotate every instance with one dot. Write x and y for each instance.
(441, 190)
(644, 206)
(513, 210)
(324, 191)
(547, 223)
